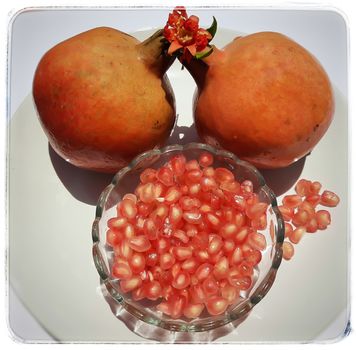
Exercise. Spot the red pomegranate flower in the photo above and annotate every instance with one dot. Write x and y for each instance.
(184, 34)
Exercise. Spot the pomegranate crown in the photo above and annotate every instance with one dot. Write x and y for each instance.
(186, 38)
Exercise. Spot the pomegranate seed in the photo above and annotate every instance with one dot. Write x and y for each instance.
(193, 310)
(245, 268)
(130, 284)
(112, 238)
(137, 262)
(229, 245)
(192, 217)
(147, 193)
(315, 187)
(181, 236)
(150, 229)
(175, 269)
(117, 223)
(257, 240)
(229, 293)
(229, 230)
(323, 219)
(164, 307)
(300, 218)
(308, 207)
(256, 210)
(203, 271)
(138, 294)
(207, 183)
(247, 186)
(312, 225)
(151, 259)
(131, 197)
(206, 159)
(194, 189)
(288, 250)
(178, 164)
(252, 257)
(230, 186)
(160, 212)
(125, 250)
(236, 256)
(172, 195)
(121, 271)
(175, 214)
(302, 188)
(129, 231)
(313, 199)
(190, 265)
(193, 176)
(212, 219)
(286, 212)
(143, 209)
(182, 280)
(329, 199)
(216, 305)
(297, 234)
(140, 243)
(167, 260)
(223, 175)
(235, 279)
(190, 230)
(165, 176)
(292, 201)
(192, 165)
(221, 268)
(215, 244)
(259, 223)
(153, 290)
(209, 172)
(148, 175)
(242, 234)
(238, 202)
(210, 286)
(182, 253)
(197, 294)
(288, 229)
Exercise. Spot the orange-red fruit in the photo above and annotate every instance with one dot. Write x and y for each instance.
(292, 201)
(153, 290)
(121, 270)
(89, 100)
(270, 113)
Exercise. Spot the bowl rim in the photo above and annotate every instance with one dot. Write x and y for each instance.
(241, 309)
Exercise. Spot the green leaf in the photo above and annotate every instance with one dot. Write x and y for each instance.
(213, 28)
(204, 53)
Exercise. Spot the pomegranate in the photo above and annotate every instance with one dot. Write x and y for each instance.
(103, 97)
(263, 97)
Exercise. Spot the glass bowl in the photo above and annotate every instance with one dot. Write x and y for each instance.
(126, 180)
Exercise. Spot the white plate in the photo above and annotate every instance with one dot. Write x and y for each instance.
(52, 204)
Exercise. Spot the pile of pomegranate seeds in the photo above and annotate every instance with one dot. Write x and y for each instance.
(188, 238)
(300, 213)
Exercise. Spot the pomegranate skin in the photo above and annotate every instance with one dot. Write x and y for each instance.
(265, 98)
(102, 98)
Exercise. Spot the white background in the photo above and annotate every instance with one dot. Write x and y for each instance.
(345, 6)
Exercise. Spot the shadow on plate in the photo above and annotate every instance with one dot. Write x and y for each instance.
(281, 180)
(158, 334)
(86, 186)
